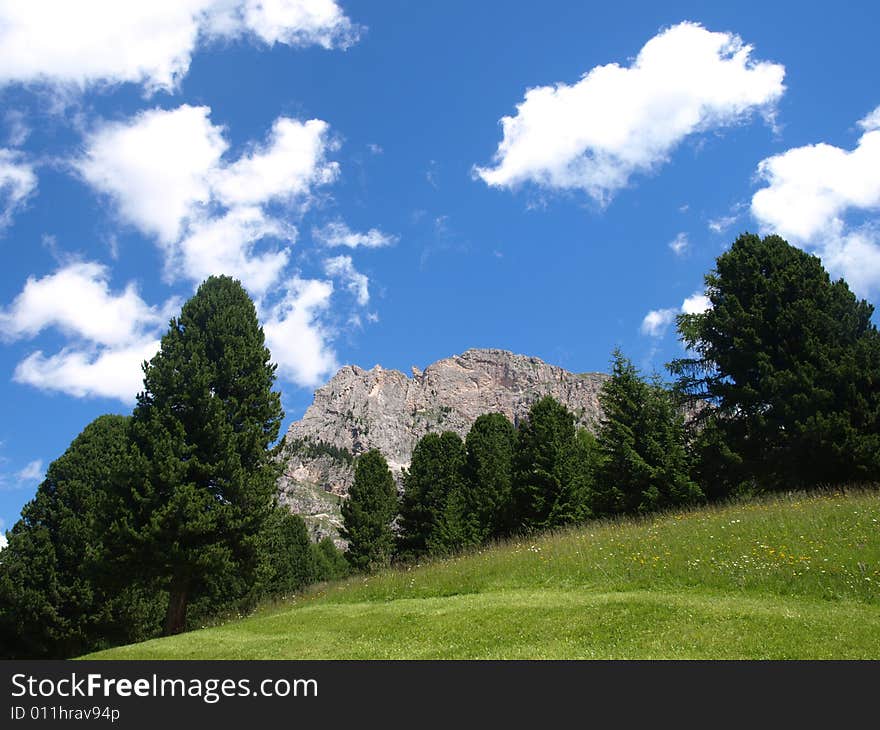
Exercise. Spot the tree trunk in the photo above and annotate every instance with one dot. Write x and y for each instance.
(178, 595)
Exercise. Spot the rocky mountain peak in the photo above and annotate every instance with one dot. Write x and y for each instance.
(359, 409)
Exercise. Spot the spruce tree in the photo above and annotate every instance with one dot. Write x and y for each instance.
(789, 361)
(368, 512)
(432, 511)
(644, 462)
(203, 427)
(489, 475)
(549, 489)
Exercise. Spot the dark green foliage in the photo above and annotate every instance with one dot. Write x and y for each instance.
(330, 562)
(286, 560)
(432, 510)
(368, 512)
(791, 363)
(644, 465)
(203, 427)
(313, 449)
(59, 595)
(489, 475)
(550, 484)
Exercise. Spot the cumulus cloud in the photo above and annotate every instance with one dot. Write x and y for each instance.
(90, 42)
(166, 173)
(337, 233)
(288, 167)
(77, 300)
(17, 182)
(111, 333)
(809, 193)
(680, 244)
(296, 334)
(83, 372)
(356, 282)
(696, 303)
(657, 321)
(3, 541)
(157, 166)
(618, 121)
(226, 244)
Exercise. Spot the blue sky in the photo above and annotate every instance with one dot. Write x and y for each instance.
(396, 182)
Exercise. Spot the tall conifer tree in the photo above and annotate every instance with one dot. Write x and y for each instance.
(204, 425)
(368, 512)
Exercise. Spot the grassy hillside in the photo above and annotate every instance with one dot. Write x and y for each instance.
(791, 577)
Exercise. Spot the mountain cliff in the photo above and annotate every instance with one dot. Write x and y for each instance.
(387, 410)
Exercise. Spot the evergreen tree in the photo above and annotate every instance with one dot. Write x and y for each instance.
(489, 475)
(287, 562)
(644, 462)
(790, 363)
(368, 512)
(59, 594)
(203, 427)
(432, 507)
(549, 486)
(330, 562)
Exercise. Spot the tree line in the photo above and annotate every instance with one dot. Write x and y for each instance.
(779, 390)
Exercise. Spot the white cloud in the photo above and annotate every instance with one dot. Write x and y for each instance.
(19, 131)
(3, 541)
(617, 121)
(808, 187)
(808, 194)
(226, 245)
(680, 244)
(871, 120)
(89, 42)
(296, 336)
(287, 168)
(165, 171)
(17, 182)
(77, 300)
(722, 223)
(33, 472)
(83, 372)
(657, 321)
(338, 233)
(356, 282)
(156, 166)
(696, 303)
(111, 333)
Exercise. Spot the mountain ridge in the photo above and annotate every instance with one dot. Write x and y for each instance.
(360, 409)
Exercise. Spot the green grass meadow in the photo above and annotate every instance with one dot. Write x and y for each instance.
(793, 577)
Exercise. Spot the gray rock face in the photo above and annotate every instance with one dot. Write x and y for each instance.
(383, 409)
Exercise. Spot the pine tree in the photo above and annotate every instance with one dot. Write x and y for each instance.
(432, 508)
(368, 512)
(489, 475)
(549, 488)
(330, 562)
(286, 561)
(203, 428)
(644, 462)
(790, 363)
(59, 593)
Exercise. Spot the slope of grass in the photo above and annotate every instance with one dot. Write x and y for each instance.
(791, 577)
